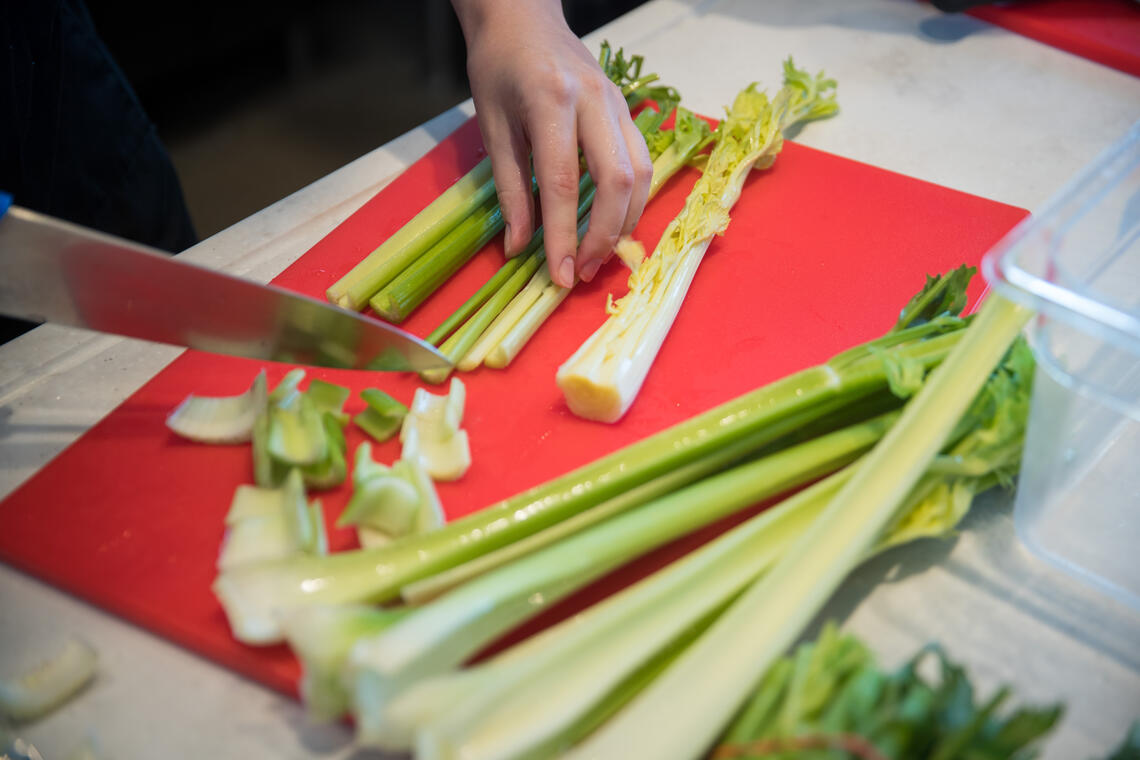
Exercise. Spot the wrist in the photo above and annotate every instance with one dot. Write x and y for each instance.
(476, 16)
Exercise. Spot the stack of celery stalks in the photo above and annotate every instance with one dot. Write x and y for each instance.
(885, 443)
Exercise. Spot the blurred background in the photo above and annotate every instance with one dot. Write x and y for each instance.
(256, 99)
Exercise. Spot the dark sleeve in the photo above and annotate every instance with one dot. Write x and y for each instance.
(74, 140)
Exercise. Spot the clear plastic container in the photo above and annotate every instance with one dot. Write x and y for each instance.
(1077, 263)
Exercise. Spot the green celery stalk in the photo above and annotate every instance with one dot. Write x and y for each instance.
(468, 322)
(321, 638)
(477, 299)
(378, 574)
(672, 718)
(688, 137)
(596, 650)
(445, 633)
(382, 416)
(424, 230)
(541, 701)
(420, 278)
(796, 428)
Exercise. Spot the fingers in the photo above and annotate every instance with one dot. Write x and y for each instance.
(619, 163)
(510, 162)
(555, 143)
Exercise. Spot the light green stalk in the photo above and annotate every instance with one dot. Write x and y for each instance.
(424, 230)
(673, 718)
(321, 638)
(603, 376)
(689, 136)
(445, 633)
(378, 574)
(421, 277)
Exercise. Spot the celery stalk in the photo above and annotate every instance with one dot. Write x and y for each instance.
(609, 642)
(794, 428)
(602, 378)
(407, 290)
(226, 419)
(672, 719)
(424, 230)
(513, 342)
(253, 593)
(504, 324)
(321, 638)
(446, 632)
(479, 297)
(593, 664)
(689, 136)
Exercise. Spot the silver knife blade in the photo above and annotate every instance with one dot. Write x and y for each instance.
(55, 271)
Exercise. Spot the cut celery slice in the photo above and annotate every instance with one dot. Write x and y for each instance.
(226, 419)
(49, 684)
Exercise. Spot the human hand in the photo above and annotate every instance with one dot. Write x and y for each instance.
(537, 90)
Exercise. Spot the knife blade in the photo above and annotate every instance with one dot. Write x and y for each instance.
(55, 271)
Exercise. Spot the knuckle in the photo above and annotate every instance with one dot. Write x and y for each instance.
(619, 177)
(562, 181)
(643, 168)
(560, 86)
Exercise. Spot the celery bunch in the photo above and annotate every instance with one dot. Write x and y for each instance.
(410, 265)
(559, 685)
(602, 378)
(850, 388)
(621, 674)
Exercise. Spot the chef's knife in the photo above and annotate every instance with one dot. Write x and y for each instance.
(55, 271)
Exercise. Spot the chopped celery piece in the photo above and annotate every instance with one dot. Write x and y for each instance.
(329, 398)
(331, 471)
(364, 467)
(321, 638)
(431, 433)
(388, 503)
(288, 388)
(253, 501)
(370, 538)
(383, 416)
(302, 429)
(296, 510)
(267, 473)
(266, 524)
(320, 545)
(227, 419)
(297, 433)
(50, 683)
(257, 539)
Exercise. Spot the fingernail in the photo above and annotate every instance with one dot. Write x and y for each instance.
(566, 271)
(507, 249)
(590, 269)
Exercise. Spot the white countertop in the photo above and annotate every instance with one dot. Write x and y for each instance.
(946, 99)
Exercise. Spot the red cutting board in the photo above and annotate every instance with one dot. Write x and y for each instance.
(1105, 31)
(821, 254)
